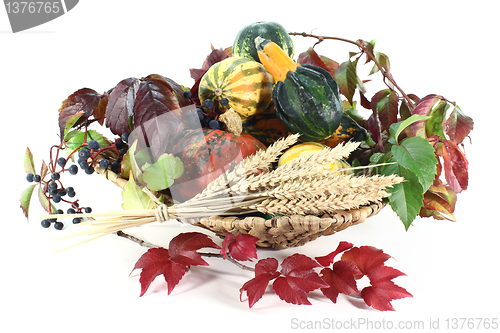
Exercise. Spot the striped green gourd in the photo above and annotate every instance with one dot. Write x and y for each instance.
(246, 84)
(244, 44)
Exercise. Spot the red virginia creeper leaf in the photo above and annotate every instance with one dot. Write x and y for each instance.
(437, 207)
(243, 247)
(183, 248)
(380, 295)
(385, 102)
(329, 258)
(373, 126)
(340, 279)
(214, 57)
(157, 262)
(366, 258)
(298, 279)
(83, 102)
(455, 166)
(120, 105)
(312, 58)
(383, 273)
(458, 125)
(265, 271)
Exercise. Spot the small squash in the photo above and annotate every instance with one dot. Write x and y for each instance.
(308, 148)
(244, 44)
(348, 130)
(306, 97)
(266, 127)
(246, 84)
(207, 153)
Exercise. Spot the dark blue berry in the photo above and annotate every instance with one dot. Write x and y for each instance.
(119, 144)
(90, 170)
(93, 144)
(116, 166)
(45, 223)
(125, 136)
(187, 94)
(56, 199)
(58, 225)
(103, 164)
(61, 161)
(59, 211)
(208, 103)
(55, 176)
(52, 186)
(29, 177)
(201, 115)
(123, 152)
(73, 169)
(214, 124)
(71, 211)
(37, 178)
(77, 220)
(88, 210)
(84, 165)
(224, 102)
(84, 154)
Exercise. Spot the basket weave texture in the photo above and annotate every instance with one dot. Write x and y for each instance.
(288, 231)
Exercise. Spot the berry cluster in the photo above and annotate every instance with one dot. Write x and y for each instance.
(89, 156)
(207, 115)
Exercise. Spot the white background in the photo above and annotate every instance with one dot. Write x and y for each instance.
(443, 47)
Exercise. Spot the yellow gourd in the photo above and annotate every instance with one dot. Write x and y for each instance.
(309, 148)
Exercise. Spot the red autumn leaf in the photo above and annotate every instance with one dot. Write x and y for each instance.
(385, 103)
(380, 295)
(329, 258)
(83, 102)
(157, 262)
(340, 279)
(184, 246)
(373, 126)
(265, 271)
(458, 125)
(298, 279)
(312, 58)
(455, 166)
(172, 263)
(241, 247)
(120, 105)
(383, 273)
(364, 101)
(214, 57)
(366, 258)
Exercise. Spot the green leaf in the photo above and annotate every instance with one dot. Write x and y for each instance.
(347, 79)
(26, 199)
(161, 174)
(75, 140)
(397, 128)
(29, 164)
(71, 122)
(134, 197)
(407, 197)
(49, 207)
(434, 125)
(417, 155)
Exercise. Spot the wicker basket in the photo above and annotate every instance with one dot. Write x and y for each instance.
(277, 232)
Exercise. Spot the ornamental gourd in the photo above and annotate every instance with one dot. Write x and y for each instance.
(245, 83)
(244, 44)
(306, 97)
(206, 153)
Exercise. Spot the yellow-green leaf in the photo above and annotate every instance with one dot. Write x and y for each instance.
(134, 197)
(26, 199)
(29, 164)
